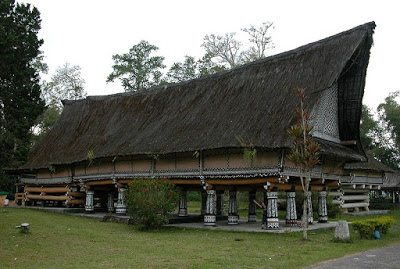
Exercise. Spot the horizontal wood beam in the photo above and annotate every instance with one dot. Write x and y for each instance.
(47, 197)
(99, 182)
(239, 181)
(47, 189)
(76, 194)
(76, 202)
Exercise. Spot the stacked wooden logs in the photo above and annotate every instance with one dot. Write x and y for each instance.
(65, 193)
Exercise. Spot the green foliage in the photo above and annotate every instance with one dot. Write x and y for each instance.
(368, 128)
(249, 151)
(333, 209)
(381, 204)
(46, 121)
(191, 69)
(149, 200)
(193, 196)
(137, 69)
(98, 244)
(381, 137)
(20, 102)
(183, 71)
(90, 156)
(305, 152)
(367, 227)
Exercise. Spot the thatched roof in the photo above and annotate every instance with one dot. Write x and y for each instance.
(392, 181)
(255, 101)
(371, 164)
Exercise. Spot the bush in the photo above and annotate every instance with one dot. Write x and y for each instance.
(381, 204)
(149, 200)
(333, 209)
(194, 196)
(367, 227)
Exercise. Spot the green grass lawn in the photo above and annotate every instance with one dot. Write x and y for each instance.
(66, 241)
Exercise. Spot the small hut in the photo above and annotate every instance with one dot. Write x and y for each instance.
(195, 133)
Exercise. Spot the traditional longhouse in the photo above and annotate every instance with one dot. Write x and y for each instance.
(195, 133)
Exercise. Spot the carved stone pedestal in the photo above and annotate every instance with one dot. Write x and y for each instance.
(210, 217)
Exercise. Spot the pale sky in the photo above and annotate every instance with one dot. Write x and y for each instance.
(87, 33)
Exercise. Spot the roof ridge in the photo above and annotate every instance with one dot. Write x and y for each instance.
(370, 26)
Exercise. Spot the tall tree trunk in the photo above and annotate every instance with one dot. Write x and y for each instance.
(305, 215)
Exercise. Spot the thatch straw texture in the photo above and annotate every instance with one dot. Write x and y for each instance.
(255, 101)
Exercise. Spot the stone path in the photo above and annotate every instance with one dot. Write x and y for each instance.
(382, 258)
(245, 226)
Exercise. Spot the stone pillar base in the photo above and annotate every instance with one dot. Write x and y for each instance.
(252, 218)
(272, 223)
(209, 220)
(291, 223)
(182, 213)
(322, 219)
(233, 220)
(120, 211)
(89, 210)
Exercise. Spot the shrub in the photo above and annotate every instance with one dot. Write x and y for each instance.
(194, 196)
(333, 209)
(367, 227)
(149, 200)
(384, 224)
(381, 204)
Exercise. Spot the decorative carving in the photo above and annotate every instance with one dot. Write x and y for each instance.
(210, 217)
(121, 206)
(322, 208)
(272, 210)
(233, 217)
(89, 207)
(291, 215)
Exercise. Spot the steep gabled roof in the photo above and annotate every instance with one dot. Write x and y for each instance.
(255, 101)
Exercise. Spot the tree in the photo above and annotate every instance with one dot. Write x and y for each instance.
(20, 102)
(183, 71)
(368, 128)
(228, 51)
(137, 69)
(388, 142)
(191, 69)
(66, 83)
(207, 67)
(305, 153)
(225, 48)
(260, 41)
(380, 137)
